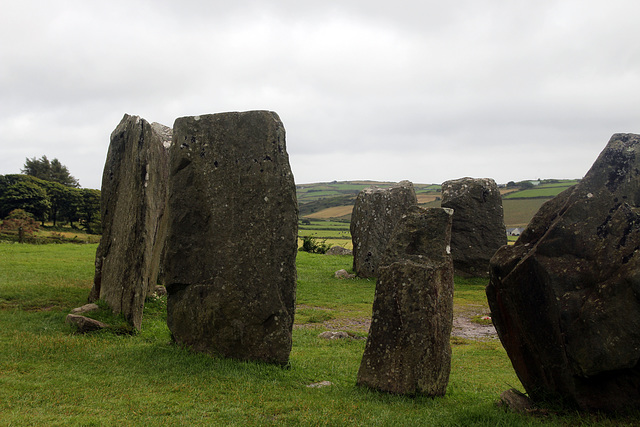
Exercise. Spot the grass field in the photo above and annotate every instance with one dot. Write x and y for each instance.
(51, 376)
(332, 212)
(546, 192)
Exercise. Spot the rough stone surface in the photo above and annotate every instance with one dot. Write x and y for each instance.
(478, 229)
(159, 290)
(134, 194)
(565, 298)
(374, 216)
(85, 324)
(408, 349)
(232, 237)
(85, 308)
(339, 250)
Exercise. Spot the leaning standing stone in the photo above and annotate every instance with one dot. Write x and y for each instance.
(565, 298)
(133, 201)
(375, 214)
(408, 349)
(232, 237)
(478, 229)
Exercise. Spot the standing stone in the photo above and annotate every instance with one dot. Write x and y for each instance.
(565, 298)
(408, 349)
(133, 201)
(478, 229)
(374, 216)
(232, 237)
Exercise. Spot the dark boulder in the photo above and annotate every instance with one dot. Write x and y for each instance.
(565, 298)
(408, 349)
(231, 246)
(133, 202)
(478, 229)
(375, 214)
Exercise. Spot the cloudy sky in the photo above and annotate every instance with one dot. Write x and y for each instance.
(381, 90)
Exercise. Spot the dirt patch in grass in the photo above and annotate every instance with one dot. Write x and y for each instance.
(463, 326)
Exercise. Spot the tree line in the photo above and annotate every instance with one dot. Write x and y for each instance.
(47, 191)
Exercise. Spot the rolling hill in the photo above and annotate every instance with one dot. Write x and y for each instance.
(333, 201)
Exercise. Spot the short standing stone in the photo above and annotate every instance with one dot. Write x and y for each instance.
(408, 349)
(478, 229)
(232, 237)
(134, 194)
(374, 216)
(565, 297)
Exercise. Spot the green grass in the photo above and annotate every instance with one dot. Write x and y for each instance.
(45, 277)
(536, 192)
(51, 376)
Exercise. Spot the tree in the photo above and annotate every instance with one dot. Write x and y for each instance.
(27, 195)
(64, 201)
(50, 200)
(49, 171)
(89, 211)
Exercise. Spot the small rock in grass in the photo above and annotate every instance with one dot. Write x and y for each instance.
(516, 401)
(333, 335)
(339, 250)
(85, 324)
(85, 308)
(344, 274)
(320, 384)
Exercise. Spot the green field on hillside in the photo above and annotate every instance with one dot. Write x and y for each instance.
(544, 190)
(518, 212)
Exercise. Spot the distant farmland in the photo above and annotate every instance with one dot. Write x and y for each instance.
(334, 201)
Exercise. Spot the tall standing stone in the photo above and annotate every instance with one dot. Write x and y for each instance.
(374, 216)
(408, 349)
(232, 236)
(565, 298)
(133, 201)
(478, 229)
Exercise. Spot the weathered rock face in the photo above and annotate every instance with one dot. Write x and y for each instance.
(134, 194)
(478, 229)
(565, 298)
(232, 237)
(374, 216)
(408, 350)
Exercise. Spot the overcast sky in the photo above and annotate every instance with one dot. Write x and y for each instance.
(381, 90)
